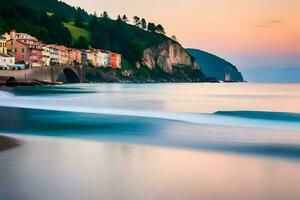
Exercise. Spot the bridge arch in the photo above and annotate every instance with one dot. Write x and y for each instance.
(11, 81)
(68, 75)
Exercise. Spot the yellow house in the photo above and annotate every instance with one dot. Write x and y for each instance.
(3, 47)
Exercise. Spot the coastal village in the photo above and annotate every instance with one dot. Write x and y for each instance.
(19, 51)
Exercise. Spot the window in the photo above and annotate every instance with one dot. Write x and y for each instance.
(23, 50)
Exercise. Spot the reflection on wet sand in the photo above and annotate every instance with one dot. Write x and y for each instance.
(50, 168)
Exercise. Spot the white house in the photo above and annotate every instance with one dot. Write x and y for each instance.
(7, 60)
(91, 56)
(54, 54)
(46, 55)
(102, 58)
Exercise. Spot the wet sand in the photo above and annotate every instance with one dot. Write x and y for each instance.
(55, 168)
(8, 143)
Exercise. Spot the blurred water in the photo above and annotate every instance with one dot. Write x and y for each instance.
(223, 117)
(245, 142)
(60, 169)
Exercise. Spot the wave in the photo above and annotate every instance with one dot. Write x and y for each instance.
(260, 119)
(291, 151)
(5, 94)
(289, 121)
(149, 131)
(264, 115)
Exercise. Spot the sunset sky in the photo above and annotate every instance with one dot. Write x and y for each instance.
(256, 33)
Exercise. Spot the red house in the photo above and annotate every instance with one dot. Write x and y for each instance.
(29, 51)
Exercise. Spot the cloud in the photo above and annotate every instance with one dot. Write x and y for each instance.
(266, 24)
(275, 22)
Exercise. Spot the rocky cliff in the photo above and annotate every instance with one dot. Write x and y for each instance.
(167, 55)
(165, 62)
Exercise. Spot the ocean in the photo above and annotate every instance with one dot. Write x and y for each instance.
(151, 141)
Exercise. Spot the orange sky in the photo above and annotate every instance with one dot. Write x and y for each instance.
(234, 29)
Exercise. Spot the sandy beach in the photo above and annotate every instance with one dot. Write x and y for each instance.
(55, 168)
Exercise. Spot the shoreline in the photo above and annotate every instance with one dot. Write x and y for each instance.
(43, 83)
(7, 143)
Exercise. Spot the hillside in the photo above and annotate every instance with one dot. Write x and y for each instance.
(214, 66)
(53, 21)
(77, 32)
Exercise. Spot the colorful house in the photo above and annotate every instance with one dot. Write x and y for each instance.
(46, 55)
(6, 60)
(59, 54)
(12, 37)
(102, 58)
(54, 54)
(75, 56)
(36, 56)
(114, 60)
(28, 51)
(63, 54)
(3, 45)
(91, 57)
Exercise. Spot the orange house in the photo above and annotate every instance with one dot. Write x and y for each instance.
(75, 56)
(114, 60)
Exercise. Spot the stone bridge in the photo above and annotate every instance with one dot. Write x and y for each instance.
(66, 74)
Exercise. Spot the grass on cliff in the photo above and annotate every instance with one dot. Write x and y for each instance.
(76, 32)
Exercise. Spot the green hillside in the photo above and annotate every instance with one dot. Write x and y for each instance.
(77, 32)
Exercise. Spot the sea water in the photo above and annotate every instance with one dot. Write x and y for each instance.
(202, 141)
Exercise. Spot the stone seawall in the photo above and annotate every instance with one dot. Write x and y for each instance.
(48, 74)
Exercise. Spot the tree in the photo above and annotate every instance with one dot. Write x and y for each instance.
(143, 23)
(119, 18)
(93, 22)
(105, 15)
(174, 38)
(136, 20)
(78, 18)
(160, 29)
(81, 43)
(151, 27)
(125, 19)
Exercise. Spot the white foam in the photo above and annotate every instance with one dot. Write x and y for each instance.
(5, 94)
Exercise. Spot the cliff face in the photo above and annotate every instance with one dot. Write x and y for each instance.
(215, 66)
(166, 62)
(167, 55)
